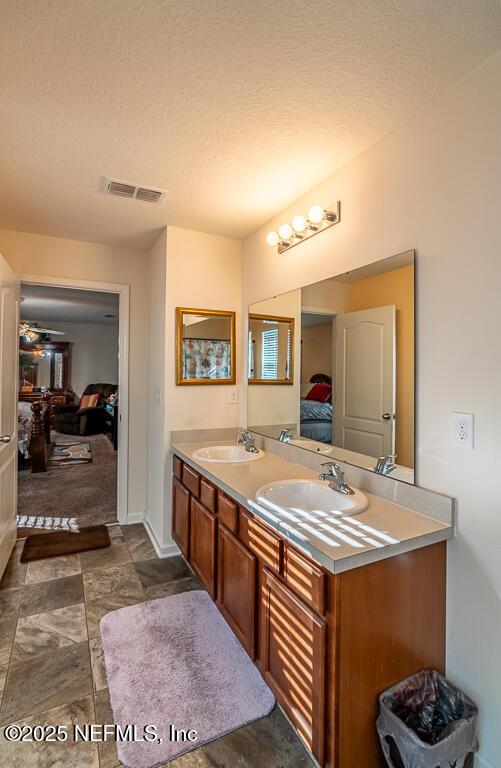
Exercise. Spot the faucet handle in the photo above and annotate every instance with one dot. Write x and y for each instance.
(334, 468)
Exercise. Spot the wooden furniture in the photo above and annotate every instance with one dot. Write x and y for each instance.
(326, 644)
(40, 433)
(58, 356)
(53, 399)
(46, 364)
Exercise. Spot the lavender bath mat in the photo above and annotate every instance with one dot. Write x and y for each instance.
(175, 662)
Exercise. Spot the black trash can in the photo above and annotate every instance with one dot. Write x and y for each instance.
(427, 722)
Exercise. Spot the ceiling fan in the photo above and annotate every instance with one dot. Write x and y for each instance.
(31, 332)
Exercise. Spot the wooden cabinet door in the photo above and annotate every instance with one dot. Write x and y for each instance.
(203, 545)
(294, 661)
(237, 585)
(181, 517)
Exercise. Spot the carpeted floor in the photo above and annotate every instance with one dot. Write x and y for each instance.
(85, 491)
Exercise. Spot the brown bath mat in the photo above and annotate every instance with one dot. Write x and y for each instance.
(57, 543)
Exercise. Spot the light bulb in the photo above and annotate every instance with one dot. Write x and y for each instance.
(299, 223)
(272, 238)
(316, 214)
(285, 231)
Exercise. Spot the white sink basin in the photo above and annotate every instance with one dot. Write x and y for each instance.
(226, 454)
(312, 500)
(311, 445)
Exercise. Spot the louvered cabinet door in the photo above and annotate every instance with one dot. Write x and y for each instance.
(294, 660)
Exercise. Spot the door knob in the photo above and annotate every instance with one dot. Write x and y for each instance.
(5, 439)
(386, 416)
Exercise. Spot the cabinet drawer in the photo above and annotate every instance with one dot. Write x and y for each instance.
(177, 467)
(227, 512)
(208, 495)
(260, 540)
(191, 480)
(305, 578)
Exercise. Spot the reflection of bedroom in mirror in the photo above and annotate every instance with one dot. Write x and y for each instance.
(354, 398)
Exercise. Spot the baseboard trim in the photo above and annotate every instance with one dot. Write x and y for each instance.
(482, 762)
(137, 517)
(169, 551)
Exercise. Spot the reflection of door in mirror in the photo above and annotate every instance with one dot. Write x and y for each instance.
(205, 347)
(365, 381)
(270, 349)
(358, 329)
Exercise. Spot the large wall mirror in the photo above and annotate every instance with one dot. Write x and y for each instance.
(353, 398)
(205, 341)
(44, 365)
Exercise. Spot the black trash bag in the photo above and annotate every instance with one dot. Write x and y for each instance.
(427, 722)
(430, 706)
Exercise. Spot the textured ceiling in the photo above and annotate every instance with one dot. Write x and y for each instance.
(236, 107)
(51, 304)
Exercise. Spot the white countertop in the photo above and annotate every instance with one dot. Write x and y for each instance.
(388, 529)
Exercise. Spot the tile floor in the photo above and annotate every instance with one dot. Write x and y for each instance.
(51, 661)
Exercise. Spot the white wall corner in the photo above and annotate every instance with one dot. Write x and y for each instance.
(168, 550)
(482, 762)
(136, 517)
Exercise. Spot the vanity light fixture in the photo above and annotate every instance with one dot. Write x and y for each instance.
(272, 238)
(318, 219)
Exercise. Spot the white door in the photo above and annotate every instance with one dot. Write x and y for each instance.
(364, 382)
(9, 308)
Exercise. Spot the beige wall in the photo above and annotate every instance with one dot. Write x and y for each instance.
(316, 350)
(435, 186)
(155, 402)
(94, 352)
(203, 271)
(211, 328)
(57, 257)
(277, 403)
(395, 287)
(187, 269)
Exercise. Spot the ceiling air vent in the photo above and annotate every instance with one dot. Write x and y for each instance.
(134, 191)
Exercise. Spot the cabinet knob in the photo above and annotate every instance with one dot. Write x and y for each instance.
(5, 439)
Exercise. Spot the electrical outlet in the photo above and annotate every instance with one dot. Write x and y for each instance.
(233, 395)
(463, 429)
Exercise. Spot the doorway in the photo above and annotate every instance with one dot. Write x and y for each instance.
(79, 342)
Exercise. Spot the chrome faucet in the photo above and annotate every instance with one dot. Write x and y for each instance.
(335, 477)
(385, 464)
(285, 436)
(245, 438)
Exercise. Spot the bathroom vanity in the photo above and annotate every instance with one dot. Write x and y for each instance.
(330, 621)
